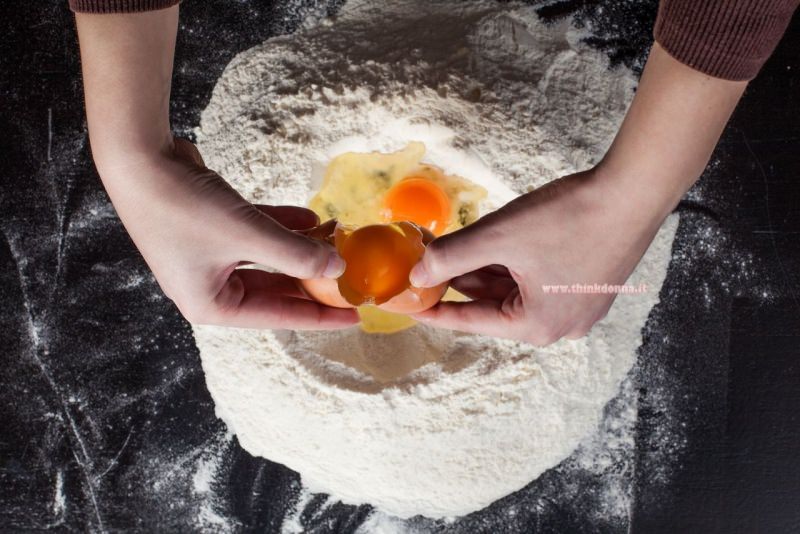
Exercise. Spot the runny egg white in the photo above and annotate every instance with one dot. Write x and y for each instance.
(361, 189)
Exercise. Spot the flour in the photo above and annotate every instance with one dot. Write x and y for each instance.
(425, 421)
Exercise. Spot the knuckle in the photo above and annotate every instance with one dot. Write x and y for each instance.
(311, 260)
(284, 250)
(436, 255)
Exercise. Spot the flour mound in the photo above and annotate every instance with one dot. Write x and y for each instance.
(425, 421)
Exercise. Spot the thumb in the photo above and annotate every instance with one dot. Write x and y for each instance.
(292, 217)
(271, 244)
(461, 252)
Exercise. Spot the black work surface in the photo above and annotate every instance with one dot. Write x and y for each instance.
(101, 390)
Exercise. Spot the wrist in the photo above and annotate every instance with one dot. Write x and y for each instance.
(650, 186)
(668, 135)
(114, 156)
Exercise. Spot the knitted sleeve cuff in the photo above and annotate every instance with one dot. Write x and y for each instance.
(119, 6)
(729, 39)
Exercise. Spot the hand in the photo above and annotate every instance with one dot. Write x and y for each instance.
(564, 233)
(587, 228)
(194, 231)
(192, 228)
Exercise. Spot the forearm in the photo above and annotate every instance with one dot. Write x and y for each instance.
(127, 67)
(669, 132)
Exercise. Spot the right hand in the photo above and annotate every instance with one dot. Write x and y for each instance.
(508, 272)
(194, 230)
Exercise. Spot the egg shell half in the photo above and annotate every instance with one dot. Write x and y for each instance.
(410, 300)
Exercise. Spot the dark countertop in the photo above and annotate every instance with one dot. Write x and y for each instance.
(103, 405)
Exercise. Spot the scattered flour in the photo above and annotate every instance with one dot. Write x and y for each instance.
(292, 522)
(423, 422)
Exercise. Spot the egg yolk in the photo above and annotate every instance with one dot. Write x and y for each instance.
(420, 201)
(379, 258)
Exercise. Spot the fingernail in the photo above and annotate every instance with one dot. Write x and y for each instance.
(418, 276)
(335, 267)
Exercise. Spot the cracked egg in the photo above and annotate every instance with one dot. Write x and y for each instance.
(379, 259)
(376, 188)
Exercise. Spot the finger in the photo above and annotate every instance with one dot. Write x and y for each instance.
(504, 319)
(292, 217)
(249, 300)
(268, 243)
(262, 309)
(481, 284)
(255, 279)
(486, 317)
(499, 270)
(475, 246)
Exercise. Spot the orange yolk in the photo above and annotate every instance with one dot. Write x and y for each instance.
(379, 259)
(420, 201)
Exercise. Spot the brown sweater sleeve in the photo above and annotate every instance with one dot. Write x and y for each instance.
(119, 6)
(728, 39)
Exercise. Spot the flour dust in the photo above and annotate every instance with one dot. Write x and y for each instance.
(497, 97)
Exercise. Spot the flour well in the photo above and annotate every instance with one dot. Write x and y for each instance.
(424, 421)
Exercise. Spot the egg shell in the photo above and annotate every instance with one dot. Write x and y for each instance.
(411, 300)
(326, 291)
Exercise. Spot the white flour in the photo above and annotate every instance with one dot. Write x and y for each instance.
(421, 422)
